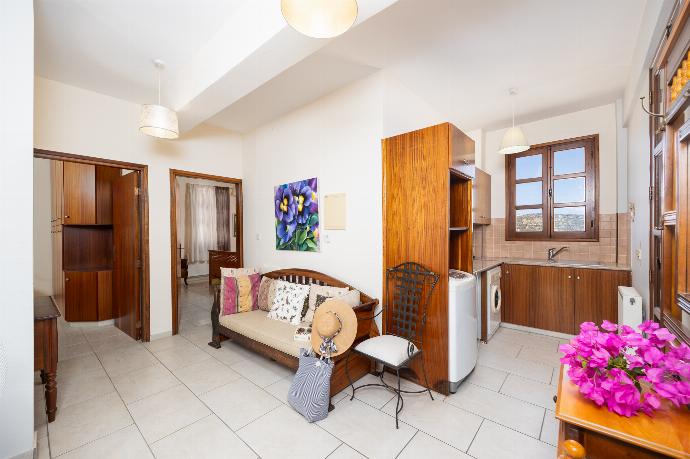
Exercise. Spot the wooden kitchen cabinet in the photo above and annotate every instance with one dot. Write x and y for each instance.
(558, 298)
(516, 281)
(79, 194)
(481, 198)
(552, 299)
(81, 296)
(596, 294)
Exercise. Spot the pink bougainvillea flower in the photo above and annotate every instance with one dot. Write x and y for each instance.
(609, 326)
(629, 371)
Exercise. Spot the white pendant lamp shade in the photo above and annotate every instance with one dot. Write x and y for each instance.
(514, 141)
(320, 18)
(158, 121)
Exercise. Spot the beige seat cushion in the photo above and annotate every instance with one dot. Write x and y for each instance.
(257, 326)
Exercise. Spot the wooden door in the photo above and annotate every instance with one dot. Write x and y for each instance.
(79, 193)
(596, 295)
(81, 296)
(126, 255)
(104, 193)
(516, 307)
(552, 295)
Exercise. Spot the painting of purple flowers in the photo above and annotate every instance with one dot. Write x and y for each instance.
(297, 216)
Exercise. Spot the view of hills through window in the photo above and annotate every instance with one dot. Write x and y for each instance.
(566, 219)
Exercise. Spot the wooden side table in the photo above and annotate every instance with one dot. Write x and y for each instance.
(606, 435)
(46, 349)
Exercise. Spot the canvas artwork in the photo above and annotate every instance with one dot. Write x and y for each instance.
(297, 216)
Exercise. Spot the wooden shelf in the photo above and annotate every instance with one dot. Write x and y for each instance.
(459, 228)
(90, 269)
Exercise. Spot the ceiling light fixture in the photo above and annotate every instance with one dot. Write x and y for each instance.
(320, 18)
(514, 140)
(157, 120)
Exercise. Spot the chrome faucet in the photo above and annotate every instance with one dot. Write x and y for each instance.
(553, 252)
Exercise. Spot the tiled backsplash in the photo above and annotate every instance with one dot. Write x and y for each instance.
(613, 245)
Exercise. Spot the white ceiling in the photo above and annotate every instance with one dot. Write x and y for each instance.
(107, 45)
(461, 56)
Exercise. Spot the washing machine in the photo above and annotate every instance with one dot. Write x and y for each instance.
(462, 327)
(493, 296)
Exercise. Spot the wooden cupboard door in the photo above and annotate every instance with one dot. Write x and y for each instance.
(596, 295)
(81, 296)
(105, 176)
(552, 297)
(517, 305)
(79, 194)
(105, 295)
(126, 257)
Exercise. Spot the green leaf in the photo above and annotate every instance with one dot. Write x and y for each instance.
(301, 236)
(313, 220)
(303, 247)
(311, 244)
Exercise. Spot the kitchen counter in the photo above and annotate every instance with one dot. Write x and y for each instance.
(480, 265)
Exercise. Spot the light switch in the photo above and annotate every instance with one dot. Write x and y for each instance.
(258, 236)
(638, 252)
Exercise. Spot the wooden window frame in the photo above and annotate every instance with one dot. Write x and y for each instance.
(591, 203)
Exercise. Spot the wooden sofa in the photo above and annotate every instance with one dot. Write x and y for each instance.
(366, 327)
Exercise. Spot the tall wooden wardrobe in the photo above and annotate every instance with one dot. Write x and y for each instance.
(427, 219)
(86, 238)
(669, 99)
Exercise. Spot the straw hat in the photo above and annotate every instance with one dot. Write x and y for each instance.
(336, 322)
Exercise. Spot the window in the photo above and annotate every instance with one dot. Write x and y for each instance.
(551, 192)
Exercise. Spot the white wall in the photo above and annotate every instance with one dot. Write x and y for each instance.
(16, 177)
(73, 120)
(599, 120)
(638, 194)
(338, 140)
(43, 252)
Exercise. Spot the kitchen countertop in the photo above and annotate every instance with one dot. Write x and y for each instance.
(480, 265)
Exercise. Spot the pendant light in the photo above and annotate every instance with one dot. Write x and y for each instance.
(157, 120)
(320, 18)
(514, 140)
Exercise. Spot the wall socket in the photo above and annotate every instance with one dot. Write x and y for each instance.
(638, 254)
(258, 236)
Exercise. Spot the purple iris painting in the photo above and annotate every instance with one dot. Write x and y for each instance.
(297, 216)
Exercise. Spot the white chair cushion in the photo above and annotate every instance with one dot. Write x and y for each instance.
(389, 349)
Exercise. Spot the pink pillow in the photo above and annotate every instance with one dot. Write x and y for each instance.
(240, 294)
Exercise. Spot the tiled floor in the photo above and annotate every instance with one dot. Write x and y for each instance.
(178, 397)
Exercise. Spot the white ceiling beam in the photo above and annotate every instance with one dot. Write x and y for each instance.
(253, 47)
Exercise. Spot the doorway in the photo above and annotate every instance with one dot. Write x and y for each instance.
(205, 235)
(99, 238)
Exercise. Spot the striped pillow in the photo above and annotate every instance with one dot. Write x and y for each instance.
(240, 294)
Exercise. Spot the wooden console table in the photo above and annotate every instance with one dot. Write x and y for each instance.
(604, 434)
(46, 349)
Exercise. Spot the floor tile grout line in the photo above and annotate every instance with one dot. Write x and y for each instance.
(206, 405)
(541, 428)
(475, 436)
(95, 440)
(510, 396)
(406, 444)
(127, 408)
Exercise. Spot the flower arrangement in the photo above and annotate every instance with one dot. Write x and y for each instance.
(628, 370)
(297, 216)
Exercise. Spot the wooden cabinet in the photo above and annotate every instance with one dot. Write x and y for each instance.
(81, 296)
(81, 222)
(427, 219)
(79, 194)
(553, 307)
(559, 298)
(596, 294)
(516, 295)
(481, 198)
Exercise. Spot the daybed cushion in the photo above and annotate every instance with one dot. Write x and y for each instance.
(288, 302)
(257, 326)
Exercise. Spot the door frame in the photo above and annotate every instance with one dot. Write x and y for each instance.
(174, 174)
(143, 170)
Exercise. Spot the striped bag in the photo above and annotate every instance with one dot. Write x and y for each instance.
(309, 393)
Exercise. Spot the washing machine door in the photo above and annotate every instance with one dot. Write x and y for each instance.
(496, 299)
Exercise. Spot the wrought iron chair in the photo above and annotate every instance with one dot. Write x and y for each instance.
(408, 291)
